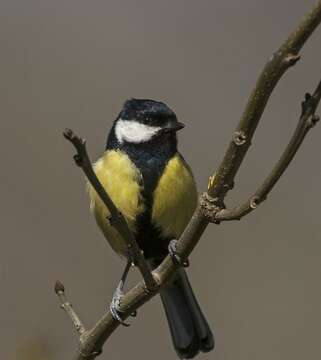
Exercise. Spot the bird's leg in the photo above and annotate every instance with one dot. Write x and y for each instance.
(177, 259)
(118, 294)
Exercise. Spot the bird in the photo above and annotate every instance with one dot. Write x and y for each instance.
(153, 187)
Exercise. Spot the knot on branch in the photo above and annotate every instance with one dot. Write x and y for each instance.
(291, 59)
(210, 207)
(308, 107)
(113, 219)
(308, 104)
(91, 355)
(254, 202)
(313, 120)
(239, 138)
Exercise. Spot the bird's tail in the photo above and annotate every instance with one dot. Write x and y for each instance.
(188, 326)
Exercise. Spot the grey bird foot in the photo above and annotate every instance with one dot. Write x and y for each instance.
(114, 307)
(118, 295)
(177, 259)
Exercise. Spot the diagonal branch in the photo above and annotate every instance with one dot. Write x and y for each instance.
(91, 341)
(306, 122)
(285, 57)
(116, 219)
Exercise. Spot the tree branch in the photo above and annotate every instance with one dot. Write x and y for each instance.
(116, 219)
(306, 122)
(91, 341)
(66, 305)
(285, 57)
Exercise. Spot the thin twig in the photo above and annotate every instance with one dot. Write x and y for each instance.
(116, 219)
(283, 59)
(306, 122)
(91, 341)
(67, 306)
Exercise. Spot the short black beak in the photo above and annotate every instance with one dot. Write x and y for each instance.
(174, 126)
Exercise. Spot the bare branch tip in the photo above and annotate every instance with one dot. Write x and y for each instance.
(68, 134)
(59, 287)
(71, 136)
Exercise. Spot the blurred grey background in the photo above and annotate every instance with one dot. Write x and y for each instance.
(72, 64)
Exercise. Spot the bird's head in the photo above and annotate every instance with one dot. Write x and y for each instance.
(143, 121)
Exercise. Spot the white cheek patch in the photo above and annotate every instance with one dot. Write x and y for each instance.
(134, 132)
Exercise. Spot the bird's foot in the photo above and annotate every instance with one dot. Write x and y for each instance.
(177, 259)
(114, 306)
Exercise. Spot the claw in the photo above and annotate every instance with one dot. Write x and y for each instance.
(114, 310)
(118, 295)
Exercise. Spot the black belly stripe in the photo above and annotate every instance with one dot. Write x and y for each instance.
(151, 160)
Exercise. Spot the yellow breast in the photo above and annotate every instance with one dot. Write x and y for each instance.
(121, 179)
(175, 198)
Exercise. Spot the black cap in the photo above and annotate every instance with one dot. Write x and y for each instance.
(145, 109)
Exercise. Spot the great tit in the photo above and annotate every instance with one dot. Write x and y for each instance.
(153, 187)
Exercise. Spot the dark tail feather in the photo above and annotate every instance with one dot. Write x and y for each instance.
(188, 326)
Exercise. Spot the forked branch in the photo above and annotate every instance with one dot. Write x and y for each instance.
(306, 122)
(211, 206)
(285, 57)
